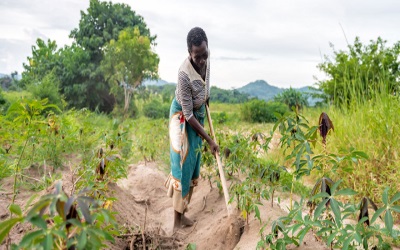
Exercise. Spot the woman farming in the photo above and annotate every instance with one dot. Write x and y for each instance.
(186, 124)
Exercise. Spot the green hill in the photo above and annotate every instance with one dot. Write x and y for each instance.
(260, 89)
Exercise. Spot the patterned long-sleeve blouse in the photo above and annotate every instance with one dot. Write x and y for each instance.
(192, 91)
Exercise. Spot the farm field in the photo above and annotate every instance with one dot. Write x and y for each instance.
(84, 127)
(264, 188)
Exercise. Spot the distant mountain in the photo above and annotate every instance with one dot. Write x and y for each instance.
(159, 82)
(260, 89)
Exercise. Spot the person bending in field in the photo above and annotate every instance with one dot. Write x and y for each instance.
(186, 121)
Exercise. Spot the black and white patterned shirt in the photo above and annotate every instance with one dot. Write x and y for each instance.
(192, 91)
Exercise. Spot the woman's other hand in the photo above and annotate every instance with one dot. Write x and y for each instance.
(213, 147)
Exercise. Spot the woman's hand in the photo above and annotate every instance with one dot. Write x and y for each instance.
(201, 132)
(213, 147)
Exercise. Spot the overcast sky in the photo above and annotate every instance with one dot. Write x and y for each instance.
(281, 42)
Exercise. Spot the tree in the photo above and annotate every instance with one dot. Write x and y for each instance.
(361, 71)
(44, 60)
(6, 82)
(228, 96)
(40, 76)
(73, 84)
(102, 23)
(84, 84)
(128, 61)
(292, 98)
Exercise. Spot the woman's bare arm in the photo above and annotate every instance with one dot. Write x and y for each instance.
(200, 131)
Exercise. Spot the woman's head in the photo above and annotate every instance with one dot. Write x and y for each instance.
(196, 37)
(197, 43)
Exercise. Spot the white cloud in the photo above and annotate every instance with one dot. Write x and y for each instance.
(277, 41)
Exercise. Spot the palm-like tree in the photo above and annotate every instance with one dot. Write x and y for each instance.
(293, 98)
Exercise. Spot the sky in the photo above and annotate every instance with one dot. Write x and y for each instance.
(281, 42)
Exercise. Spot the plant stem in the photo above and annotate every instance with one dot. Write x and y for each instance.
(17, 167)
(15, 178)
(291, 193)
(324, 164)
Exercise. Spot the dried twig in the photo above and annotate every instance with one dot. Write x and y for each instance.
(144, 228)
(9, 193)
(194, 226)
(204, 202)
(125, 235)
(132, 241)
(145, 201)
(74, 184)
(26, 176)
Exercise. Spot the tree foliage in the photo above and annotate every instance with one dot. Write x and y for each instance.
(45, 58)
(167, 91)
(128, 61)
(102, 23)
(361, 71)
(292, 98)
(228, 96)
(41, 76)
(73, 75)
(84, 83)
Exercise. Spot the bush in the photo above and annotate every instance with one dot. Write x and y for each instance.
(361, 72)
(156, 110)
(4, 104)
(220, 117)
(48, 88)
(261, 111)
(2, 99)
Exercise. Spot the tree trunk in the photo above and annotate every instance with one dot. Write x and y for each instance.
(127, 94)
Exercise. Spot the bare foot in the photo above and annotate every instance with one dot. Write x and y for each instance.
(186, 221)
(180, 221)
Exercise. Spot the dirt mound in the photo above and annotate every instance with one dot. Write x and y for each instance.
(142, 202)
(144, 190)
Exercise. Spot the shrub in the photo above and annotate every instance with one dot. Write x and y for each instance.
(362, 71)
(155, 110)
(48, 88)
(220, 117)
(261, 111)
(4, 103)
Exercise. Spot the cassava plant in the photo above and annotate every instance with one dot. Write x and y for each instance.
(26, 115)
(63, 222)
(330, 207)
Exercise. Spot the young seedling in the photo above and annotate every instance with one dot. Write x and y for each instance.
(364, 206)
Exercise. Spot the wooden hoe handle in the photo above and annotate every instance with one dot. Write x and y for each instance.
(221, 170)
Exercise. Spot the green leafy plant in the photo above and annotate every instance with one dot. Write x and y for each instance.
(62, 227)
(361, 72)
(329, 206)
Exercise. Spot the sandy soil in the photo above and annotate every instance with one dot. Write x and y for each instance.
(213, 228)
(142, 203)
